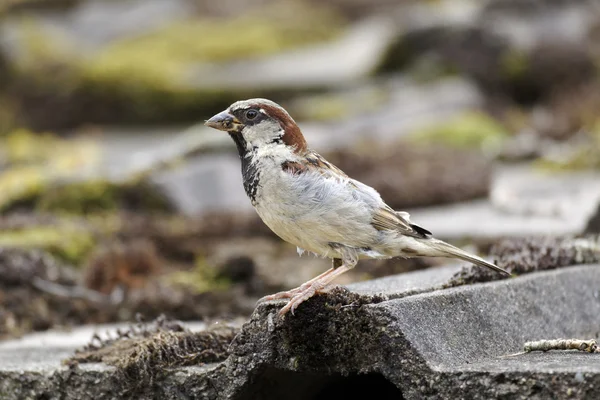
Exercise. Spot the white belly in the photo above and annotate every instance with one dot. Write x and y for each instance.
(312, 212)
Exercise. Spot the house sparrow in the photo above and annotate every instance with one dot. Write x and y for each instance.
(314, 205)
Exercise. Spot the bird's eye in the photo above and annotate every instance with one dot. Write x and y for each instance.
(251, 114)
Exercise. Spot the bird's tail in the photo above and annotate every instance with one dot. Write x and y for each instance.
(444, 249)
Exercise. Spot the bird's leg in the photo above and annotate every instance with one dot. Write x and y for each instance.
(288, 294)
(319, 284)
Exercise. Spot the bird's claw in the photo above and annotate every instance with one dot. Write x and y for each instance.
(303, 293)
(294, 303)
(288, 294)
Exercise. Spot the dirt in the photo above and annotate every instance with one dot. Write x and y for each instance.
(37, 292)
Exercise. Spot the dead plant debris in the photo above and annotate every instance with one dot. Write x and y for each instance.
(525, 255)
(124, 264)
(143, 352)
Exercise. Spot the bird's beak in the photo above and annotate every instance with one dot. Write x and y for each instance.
(224, 121)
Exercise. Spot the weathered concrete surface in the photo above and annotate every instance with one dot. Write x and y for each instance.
(314, 67)
(407, 284)
(436, 344)
(523, 202)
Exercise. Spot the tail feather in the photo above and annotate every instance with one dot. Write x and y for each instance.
(447, 250)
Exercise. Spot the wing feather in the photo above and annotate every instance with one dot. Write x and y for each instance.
(315, 163)
(384, 218)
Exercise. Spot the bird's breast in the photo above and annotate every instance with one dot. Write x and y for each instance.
(312, 212)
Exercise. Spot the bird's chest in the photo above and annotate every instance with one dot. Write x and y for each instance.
(277, 198)
(263, 178)
(271, 191)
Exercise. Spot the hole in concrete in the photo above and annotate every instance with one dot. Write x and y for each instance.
(276, 384)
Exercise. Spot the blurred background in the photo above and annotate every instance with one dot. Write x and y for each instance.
(480, 118)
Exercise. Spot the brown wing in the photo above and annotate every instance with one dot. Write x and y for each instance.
(313, 162)
(386, 219)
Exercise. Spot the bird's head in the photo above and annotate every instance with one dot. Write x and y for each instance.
(256, 123)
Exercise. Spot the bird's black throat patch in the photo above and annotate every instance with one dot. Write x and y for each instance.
(250, 174)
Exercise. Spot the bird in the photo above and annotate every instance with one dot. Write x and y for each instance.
(312, 204)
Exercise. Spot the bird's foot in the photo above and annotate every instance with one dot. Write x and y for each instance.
(288, 294)
(302, 294)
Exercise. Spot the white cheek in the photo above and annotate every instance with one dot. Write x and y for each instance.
(262, 133)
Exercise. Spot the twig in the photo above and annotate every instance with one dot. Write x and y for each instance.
(589, 346)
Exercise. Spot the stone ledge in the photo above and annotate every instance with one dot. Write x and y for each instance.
(436, 344)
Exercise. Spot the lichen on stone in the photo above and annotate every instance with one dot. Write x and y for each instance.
(66, 241)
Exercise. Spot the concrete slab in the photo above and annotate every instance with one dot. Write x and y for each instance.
(523, 202)
(407, 284)
(435, 344)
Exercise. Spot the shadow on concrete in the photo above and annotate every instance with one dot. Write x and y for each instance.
(275, 384)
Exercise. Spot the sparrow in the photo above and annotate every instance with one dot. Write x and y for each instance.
(314, 205)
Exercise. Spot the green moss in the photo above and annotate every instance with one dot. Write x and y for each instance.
(157, 65)
(60, 155)
(150, 77)
(431, 69)
(80, 198)
(46, 170)
(69, 243)
(41, 48)
(20, 184)
(23, 146)
(54, 174)
(100, 196)
(514, 64)
(161, 57)
(471, 130)
(203, 278)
